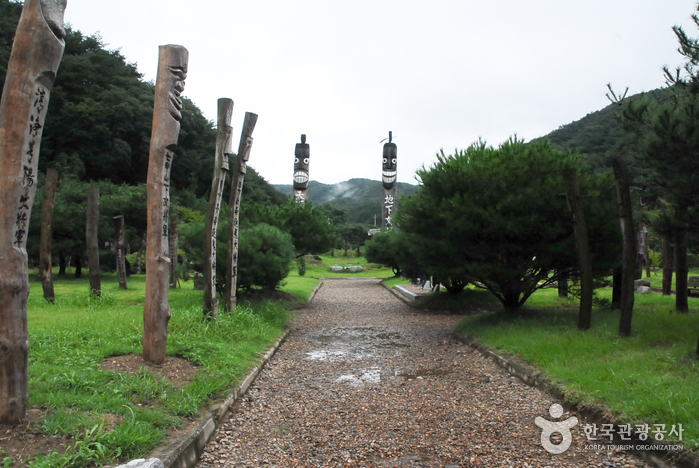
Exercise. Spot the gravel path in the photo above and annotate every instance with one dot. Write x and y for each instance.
(364, 380)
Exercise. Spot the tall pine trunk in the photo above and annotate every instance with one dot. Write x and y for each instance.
(628, 266)
(668, 264)
(47, 234)
(120, 251)
(681, 267)
(92, 241)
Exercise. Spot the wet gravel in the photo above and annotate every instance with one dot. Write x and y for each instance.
(364, 380)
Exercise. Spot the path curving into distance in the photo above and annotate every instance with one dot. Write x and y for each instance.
(365, 380)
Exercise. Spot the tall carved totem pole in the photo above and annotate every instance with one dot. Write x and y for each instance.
(36, 53)
(239, 171)
(388, 179)
(167, 114)
(302, 156)
(224, 146)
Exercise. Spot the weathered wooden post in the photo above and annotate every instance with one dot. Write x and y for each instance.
(172, 247)
(167, 114)
(388, 178)
(224, 145)
(120, 251)
(583, 246)
(36, 53)
(244, 148)
(628, 265)
(302, 158)
(47, 234)
(92, 242)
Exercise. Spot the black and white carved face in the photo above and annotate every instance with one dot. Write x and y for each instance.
(301, 164)
(389, 168)
(179, 74)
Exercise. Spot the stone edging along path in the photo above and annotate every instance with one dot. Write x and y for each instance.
(532, 377)
(185, 451)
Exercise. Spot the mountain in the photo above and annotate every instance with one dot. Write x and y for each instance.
(359, 198)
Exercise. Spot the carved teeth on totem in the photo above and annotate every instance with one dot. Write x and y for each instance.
(300, 177)
(389, 176)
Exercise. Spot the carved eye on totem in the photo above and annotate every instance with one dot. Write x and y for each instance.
(385, 160)
(305, 160)
(393, 160)
(296, 160)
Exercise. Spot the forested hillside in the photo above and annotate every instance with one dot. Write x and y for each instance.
(360, 199)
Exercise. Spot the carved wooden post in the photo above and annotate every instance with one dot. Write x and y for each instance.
(388, 178)
(47, 234)
(583, 247)
(302, 155)
(628, 265)
(31, 70)
(224, 145)
(234, 209)
(120, 250)
(167, 114)
(92, 240)
(173, 246)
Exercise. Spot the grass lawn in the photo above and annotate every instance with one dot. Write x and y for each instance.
(117, 415)
(651, 377)
(316, 268)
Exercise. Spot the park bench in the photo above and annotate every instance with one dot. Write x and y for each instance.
(693, 284)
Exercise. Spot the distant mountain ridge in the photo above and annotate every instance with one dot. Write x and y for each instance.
(360, 198)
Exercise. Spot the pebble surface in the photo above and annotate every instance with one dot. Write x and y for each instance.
(364, 380)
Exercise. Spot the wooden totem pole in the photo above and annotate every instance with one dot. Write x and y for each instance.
(244, 148)
(388, 179)
(167, 114)
(45, 256)
(92, 240)
(302, 156)
(36, 53)
(224, 145)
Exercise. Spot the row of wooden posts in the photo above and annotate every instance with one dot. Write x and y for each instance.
(36, 53)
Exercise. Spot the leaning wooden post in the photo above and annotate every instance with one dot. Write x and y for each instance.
(172, 248)
(389, 171)
(224, 145)
(47, 234)
(167, 114)
(92, 242)
(234, 210)
(120, 251)
(581, 242)
(628, 265)
(31, 70)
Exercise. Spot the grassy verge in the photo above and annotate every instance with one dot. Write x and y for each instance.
(113, 415)
(651, 377)
(319, 267)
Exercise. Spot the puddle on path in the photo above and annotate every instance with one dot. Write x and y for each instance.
(354, 342)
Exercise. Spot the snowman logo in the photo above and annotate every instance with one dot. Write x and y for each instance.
(548, 428)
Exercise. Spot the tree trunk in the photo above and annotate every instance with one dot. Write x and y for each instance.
(583, 247)
(47, 234)
(62, 263)
(78, 260)
(172, 71)
(668, 265)
(139, 256)
(120, 250)
(681, 267)
(224, 146)
(92, 240)
(563, 285)
(244, 148)
(174, 234)
(616, 288)
(628, 266)
(36, 52)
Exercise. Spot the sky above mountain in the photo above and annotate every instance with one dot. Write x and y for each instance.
(439, 74)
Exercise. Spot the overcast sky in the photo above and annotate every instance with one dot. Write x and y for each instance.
(438, 73)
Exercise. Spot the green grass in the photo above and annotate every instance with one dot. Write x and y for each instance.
(321, 268)
(650, 377)
(70, 338)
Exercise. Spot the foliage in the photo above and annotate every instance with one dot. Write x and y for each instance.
(498, 217)
(265, 257)
(389, 249)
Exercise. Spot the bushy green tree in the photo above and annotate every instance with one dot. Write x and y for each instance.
(265, 257)
(498, 217)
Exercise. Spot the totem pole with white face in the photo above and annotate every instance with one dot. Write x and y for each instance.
(388, 179)
(301, 161)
